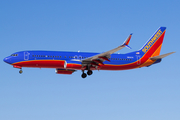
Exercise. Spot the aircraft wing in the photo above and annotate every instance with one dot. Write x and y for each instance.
(100, 58)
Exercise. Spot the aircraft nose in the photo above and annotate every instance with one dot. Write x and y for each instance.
(7, 60)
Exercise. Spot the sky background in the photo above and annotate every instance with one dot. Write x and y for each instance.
(151, 93)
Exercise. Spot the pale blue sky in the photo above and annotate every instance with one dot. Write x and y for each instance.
(151, 93)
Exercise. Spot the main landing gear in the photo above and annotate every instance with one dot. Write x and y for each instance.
(89, 72)
(84, 75)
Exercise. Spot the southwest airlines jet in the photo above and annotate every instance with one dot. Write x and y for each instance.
(69, 62)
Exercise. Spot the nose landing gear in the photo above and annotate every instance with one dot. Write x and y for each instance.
(20, 71)
(19, 67)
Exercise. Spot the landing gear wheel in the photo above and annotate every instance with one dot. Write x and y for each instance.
(20, 71)
(89, 72)
(84, 75)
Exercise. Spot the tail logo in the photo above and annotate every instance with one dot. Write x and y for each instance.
(152, 41)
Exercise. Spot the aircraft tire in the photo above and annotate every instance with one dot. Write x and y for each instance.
(90, 72)
(84, 75)
(20, 71)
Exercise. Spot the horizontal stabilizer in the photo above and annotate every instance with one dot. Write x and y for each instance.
(161, 56)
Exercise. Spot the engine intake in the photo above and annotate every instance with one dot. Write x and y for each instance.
(72, 65)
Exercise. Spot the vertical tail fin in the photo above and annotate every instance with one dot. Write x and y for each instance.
(153, 46)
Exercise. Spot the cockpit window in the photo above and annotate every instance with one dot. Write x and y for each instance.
(14, 55)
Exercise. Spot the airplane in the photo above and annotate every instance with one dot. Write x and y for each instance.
(69, 62)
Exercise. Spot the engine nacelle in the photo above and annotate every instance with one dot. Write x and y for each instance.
(72, 65)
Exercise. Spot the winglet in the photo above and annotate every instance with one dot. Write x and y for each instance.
(126, 42)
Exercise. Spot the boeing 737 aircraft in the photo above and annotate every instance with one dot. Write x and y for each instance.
(69, 62)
